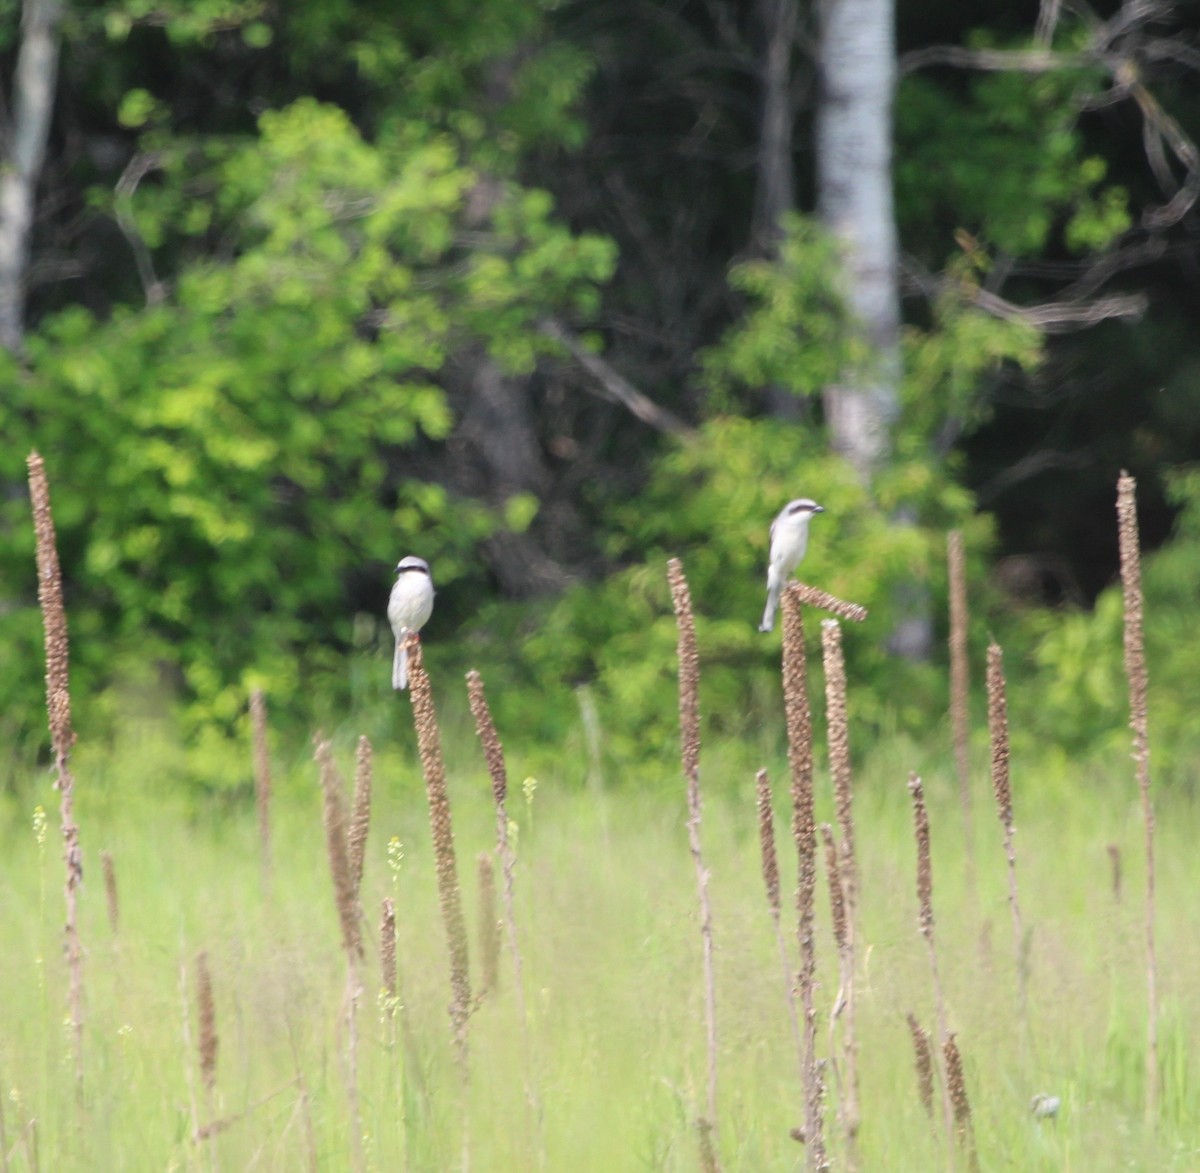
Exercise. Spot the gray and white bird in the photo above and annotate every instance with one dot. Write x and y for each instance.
(789, 540)
(409, 608)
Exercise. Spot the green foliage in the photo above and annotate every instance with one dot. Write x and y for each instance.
(227, 463)
(1009, 160)
(1079, 696)
(946, 367)
(796, 331)
(709, 501)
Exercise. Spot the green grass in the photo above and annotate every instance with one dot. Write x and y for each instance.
(609, 928)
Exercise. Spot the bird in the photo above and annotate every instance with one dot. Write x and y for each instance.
(409, 608)
(789, 540)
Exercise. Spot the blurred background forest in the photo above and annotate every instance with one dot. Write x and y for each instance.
(545, 292)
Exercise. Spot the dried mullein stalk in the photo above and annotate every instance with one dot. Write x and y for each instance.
(387, 948)
(957, 1084)
(1114, 863)
(843, 871)
(360, 819)
(1135, 671)
(335, 844)
(770, 871)
(824, 601)
(923, 1061)
(110, 890)
(926, 923)
(804, 834)
(429, 746)
(689, 739)
(62, 736)
(766, 836)
(207, 1015)
(489, 927)
(960, 683)
(262, 778)
(1002, 787)
(494, 754)
(837, 892)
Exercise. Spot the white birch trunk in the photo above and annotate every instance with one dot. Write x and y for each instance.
(24, 151)
(854, 177)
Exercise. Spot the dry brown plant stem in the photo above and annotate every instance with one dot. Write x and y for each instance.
(336, 843)
(957, 1084)
(429, 746)
(770, 870)
(823, 601)
(923, 1061)
(62, 737)
(960, 689)
(689, 740)
(262, 780)
(206, 1014)
(925, 922)
(493, 752)
(804, 835)
(489, 928)
(1002, 787)
(360, 818)
(843, 875)
(1135, 671)
(110, 891)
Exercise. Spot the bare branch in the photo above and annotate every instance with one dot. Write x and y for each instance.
(612, 384)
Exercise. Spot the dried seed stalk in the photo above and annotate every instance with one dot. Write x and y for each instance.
(770, 870)
(689, 739)
(824, 601)
(1135, 671)
(493, 752)
(489, 927)
(964, 1130)
(335, 845)
(429, 746)
(110, 890)
(960, 685)
(62, 736)
(844, 871)
(207, 1014)
(1002, 787)
(804, 835)
(923, 1061)
(387, 948)
(360, 819)
(925, 902)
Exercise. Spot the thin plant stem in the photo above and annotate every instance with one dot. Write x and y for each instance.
(925, 922)
(1138, 677)
(804, 835)
(1002, 787)
(689, 737)
(441, 825)
(493, 751)
(843, 873)
(770, 869)
(62, 737)
(960, 690)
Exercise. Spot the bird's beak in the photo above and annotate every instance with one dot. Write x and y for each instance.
(818, 508)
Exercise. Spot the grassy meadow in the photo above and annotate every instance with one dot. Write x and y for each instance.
(610, 1070)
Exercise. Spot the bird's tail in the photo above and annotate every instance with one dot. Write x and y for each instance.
(768, 619)
(400, 665)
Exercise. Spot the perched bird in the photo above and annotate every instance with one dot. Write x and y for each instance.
(789, 540)
(409, 609)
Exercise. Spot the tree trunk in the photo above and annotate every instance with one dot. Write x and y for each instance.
(775, 188)
(24, 150)
(854, 177)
